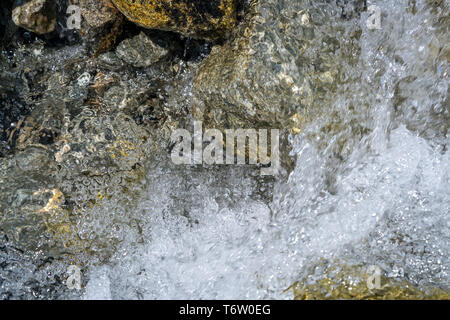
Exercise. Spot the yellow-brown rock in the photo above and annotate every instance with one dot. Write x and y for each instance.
(209, 19)
(347, 282)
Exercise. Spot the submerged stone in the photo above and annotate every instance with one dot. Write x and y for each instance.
(69, 151)
(200, 18)
(141, 51)
(276, 69)
(110, 61)
(340, 281)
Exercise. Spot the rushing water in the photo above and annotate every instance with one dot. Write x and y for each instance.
(370, 186)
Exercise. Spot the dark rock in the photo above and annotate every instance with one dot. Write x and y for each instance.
(7, 26)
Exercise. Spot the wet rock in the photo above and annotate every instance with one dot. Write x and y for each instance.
(128, 96)
(202, 19)
(100, 145)
(12, 109)
(100, 156)
(43, 188)
(32, 159)
(71, 152)
(110, 61)
(141, 51)
(19, 84)
(22, 198)
(37, 16)
(99, 24)
(97, 13)
(335, 281)
(275, 71)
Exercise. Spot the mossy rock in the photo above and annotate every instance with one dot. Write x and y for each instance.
(339, 281)
(209, 19)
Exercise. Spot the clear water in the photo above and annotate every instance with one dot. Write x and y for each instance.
(371, 185)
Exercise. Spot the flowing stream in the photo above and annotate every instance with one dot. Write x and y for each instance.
(370, 186)
(369, 183)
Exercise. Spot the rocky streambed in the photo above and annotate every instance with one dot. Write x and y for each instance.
(91, 92)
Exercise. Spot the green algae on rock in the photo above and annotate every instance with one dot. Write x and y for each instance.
(210, 19)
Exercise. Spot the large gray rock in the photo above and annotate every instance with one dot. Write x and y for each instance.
(278, 67)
